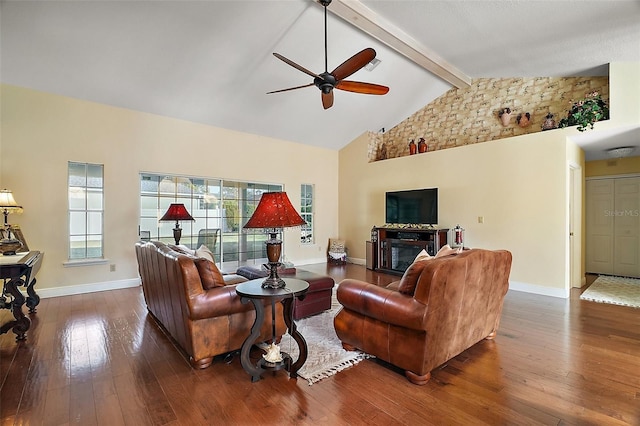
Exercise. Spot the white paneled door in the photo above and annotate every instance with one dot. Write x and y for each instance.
(613, 226)
(626, 225)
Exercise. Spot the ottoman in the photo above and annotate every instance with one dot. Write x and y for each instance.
(318, 298)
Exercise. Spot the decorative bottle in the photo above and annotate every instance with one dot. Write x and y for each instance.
(412, 147)
(549, 122)
(422, 146)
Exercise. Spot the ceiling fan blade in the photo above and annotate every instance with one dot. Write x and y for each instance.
(290, 88)
(296, 66)
(354, 63)
(327, 100)
(359, 87)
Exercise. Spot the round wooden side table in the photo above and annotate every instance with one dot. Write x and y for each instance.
(252, 291)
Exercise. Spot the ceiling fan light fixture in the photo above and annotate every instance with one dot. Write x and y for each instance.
(373, 64)
(619, 152)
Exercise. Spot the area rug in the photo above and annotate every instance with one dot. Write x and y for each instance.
(326, 356)
(614, 290)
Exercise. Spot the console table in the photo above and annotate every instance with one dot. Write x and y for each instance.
(394, 249)
(15, 271)
(253, 291)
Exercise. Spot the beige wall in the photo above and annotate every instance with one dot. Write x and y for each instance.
(520, 185)
(42, 132)
(619, 166)
(524, 207)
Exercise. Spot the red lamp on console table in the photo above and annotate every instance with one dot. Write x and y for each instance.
(273, 213)
(177, 212)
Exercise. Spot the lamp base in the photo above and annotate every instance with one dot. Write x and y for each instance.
(9, 247)
(177, 233)
(273, 280)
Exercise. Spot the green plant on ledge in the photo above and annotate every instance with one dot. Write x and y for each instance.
(586, 112)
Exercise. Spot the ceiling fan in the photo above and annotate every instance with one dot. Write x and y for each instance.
(327, 81)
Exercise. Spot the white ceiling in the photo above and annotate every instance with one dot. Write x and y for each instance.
(211, 61)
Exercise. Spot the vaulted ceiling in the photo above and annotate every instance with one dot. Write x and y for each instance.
(211, 61)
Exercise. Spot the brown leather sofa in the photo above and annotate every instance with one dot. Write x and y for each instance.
(440, 307)
(191, 301)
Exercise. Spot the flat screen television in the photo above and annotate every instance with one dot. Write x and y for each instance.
(418, 206)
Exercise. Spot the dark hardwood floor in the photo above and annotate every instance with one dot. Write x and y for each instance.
(99, 359)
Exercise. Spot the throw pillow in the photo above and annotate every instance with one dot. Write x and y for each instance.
(182, 249)
(336, 246)
(446, 250)
(209, 273)
(423, 255)
(410, 277)
(203, 251)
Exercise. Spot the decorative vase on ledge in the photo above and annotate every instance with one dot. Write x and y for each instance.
(549, 122)
(524, 120)
(412, 147)
(505, 116)
(422, 146)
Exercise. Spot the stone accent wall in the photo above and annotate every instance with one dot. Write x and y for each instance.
(471, 115)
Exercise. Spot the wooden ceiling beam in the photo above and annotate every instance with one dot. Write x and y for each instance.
(366, 20)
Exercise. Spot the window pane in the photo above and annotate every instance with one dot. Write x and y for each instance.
(77, 247)
(77, 198)
(77, 174)
(94, 223)
(77, 223)
(149, 206)
(94, 176)
(94, 199)
(94, 246)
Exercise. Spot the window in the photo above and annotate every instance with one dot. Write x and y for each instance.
(86, 211)
(220, 209)
(306, 211)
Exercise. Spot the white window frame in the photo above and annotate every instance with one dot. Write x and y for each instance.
(93, 205)
(249, 248)
(307, 195)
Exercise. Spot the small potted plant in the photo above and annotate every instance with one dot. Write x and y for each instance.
(585, 112)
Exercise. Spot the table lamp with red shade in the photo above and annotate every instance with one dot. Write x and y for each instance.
(274, 212)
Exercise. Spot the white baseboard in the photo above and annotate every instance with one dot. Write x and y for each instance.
(135, 282)
(562, 293)
(86, 288)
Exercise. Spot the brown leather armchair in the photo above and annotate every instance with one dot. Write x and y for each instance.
(190, 300)
(439, 308)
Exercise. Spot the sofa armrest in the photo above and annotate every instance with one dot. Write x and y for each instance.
(216, 302)
(381, 303)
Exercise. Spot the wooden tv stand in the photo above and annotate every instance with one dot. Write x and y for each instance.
(394, 249)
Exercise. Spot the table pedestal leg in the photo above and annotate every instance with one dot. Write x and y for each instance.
(293, 331)
(254, 371)
(21, 323)
(33, 299)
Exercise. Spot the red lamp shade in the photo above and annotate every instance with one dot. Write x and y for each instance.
(176, 212)
(275, 211)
